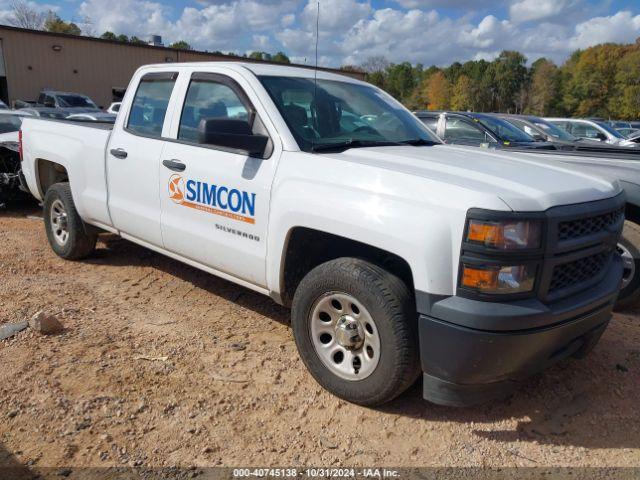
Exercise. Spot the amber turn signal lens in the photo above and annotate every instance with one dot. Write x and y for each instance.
(507, 279)
(486, 233)
(479, 279)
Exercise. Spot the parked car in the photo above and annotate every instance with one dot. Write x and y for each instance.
(634, 137)
(540, 129)
(396, 253)
(114, 107)
(93, 117)
(478, 129)
(10, 123)
(46, 112)
(3, 106)
(592, 130)
(627, 132)
(53, 99)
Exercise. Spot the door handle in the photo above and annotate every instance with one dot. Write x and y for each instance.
(118, 153)
(174, 165)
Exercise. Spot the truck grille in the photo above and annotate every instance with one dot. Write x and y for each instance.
(573, 273)
(572, 229)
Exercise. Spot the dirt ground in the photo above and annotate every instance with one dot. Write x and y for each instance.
(161, 365)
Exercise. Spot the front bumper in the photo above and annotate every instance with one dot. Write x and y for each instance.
(473, 351)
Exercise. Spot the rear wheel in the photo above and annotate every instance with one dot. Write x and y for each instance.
(65, 229)
(355, 326)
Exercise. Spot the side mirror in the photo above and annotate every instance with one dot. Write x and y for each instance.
(601, 136)
(231, 133)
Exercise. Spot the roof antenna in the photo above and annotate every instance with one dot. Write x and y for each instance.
(315, 76)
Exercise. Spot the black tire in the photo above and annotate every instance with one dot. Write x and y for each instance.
(79, 243)
(629, 296)
(390, 304)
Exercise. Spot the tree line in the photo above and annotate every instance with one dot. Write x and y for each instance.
(602, 81)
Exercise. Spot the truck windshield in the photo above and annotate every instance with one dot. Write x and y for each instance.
(343, 114)
(76, 101)
(611, 130)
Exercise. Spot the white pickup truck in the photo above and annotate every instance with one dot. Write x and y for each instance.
(398, 255)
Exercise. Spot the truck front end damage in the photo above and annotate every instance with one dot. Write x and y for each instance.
(519, 310)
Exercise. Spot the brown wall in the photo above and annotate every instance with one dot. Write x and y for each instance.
(83, 65)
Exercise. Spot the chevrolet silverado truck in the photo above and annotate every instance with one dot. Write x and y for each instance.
(400, 257)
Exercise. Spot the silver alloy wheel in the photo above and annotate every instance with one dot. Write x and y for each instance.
(59, 223)
(629, 265)
(344, 336)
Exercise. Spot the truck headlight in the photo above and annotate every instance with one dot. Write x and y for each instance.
(505, 234)
(498, 279)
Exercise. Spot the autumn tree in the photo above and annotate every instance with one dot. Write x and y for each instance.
(55, 24)
(544, 88)
(438, 91)
(462, 97)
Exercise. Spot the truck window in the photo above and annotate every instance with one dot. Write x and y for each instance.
(459, 130)
(208, 99)
(150, 104)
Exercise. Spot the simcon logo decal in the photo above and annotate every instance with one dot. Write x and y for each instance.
(216, 199)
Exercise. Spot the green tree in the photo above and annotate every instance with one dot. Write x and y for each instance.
(137, 41)
(377, 78)
(55, 24)
(462, 97)
(108, 36)
(509, 74)
(122, 38)
(400, 80)
(260, 56)
(280, 57)
(180, 45)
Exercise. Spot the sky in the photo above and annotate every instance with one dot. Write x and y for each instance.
(431, 32)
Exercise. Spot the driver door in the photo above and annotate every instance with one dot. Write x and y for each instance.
(215, 201)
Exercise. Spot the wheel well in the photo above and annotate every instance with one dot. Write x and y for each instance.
(50, 173)
(632, 213)
(308, 248)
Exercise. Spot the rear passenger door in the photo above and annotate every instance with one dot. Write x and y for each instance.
(133, 159)
(215, 201)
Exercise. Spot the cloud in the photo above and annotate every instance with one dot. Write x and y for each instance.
(557, 11)
(453, 4)
(621, 27)
(352, 30)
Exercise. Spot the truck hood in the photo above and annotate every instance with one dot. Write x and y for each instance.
(523, 184)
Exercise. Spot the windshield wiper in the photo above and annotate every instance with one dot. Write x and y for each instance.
(352, 143)
(418, 142)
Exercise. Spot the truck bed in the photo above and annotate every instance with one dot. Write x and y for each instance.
(80, 147)
(83, 123)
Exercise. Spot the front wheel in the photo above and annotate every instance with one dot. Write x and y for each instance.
(629, 249)
(355, 326)
(65, 229)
